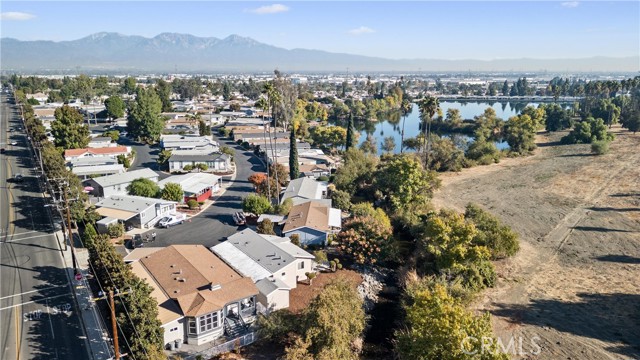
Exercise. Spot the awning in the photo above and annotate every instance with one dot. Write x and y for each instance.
(88, 188)
(116, 213)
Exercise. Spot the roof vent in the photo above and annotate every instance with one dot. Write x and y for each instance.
(173, 265)
(214, 287)
(176, 291)
(183, 280)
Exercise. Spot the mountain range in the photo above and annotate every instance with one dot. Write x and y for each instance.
(168, 52)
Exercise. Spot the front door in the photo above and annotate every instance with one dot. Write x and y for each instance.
(232, 310)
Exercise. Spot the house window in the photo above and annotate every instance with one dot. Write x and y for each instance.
(301, 265)
(193, 329)
(208, 322)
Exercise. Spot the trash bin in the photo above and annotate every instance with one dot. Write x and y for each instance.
(178, 343)
(170, 346)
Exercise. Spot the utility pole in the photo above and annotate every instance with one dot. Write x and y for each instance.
(73, 252)
(115, 326)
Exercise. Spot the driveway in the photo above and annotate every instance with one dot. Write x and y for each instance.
(216, 223)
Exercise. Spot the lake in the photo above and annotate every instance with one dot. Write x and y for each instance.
(392, 126)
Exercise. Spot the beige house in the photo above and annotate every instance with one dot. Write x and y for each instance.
(313, 221)
(200, 298)
(274, 263)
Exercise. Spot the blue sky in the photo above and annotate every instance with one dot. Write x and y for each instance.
(417, 29)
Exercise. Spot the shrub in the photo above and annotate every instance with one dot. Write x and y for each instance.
(323, 178)
(600, 147)
(202, 166)
(295, 239)
(187, 168)
(256, 204)
(115, 230)
(265, 227)
(320, 256)
(284, 208)
(192, 204)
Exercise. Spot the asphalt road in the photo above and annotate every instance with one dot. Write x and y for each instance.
(216, 223)
(38, 313)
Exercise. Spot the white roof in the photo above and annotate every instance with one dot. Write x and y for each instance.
(267, 286)
(240, 261)
(304, 188)
(130, 203)
(193, 182)
(125, 178)
(335, 218)
(274, 218)
(99, 169)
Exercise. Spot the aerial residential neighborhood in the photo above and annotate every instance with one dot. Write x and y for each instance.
(343, 180)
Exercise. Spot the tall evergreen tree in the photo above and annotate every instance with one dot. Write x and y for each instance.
(69, 129)
(294, 167)
(144, 120)
(350, 137)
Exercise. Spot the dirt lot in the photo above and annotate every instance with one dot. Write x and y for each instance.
(574, 288)
(302, 295)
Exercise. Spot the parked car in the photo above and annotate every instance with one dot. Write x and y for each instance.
(18, 178)
(14, 143)
(136, 242)
(2, 150)
(169, 221)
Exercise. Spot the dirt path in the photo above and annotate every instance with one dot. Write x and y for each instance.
(573, 289)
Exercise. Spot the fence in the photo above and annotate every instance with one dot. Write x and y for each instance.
(228, 346)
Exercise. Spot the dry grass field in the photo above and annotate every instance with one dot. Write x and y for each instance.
(574, 287)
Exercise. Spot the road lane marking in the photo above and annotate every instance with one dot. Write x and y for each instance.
(31, 302)
(27, 238)
(28, 292)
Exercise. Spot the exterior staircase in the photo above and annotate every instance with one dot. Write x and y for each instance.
(234, 327)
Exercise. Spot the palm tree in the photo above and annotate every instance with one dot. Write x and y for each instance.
(429, 106)
(263, 104)
(405, 107)
(273, 98)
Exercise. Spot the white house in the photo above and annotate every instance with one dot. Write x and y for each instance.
(304, 189)
(116, 184)
(217, 162)
(197, 186)
(272, 262)
(136, 211)
(101, 142)
(87, 172)
(201, 144)
(112, 152)
(200, 298)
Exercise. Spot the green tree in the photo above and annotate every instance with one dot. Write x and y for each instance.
(115, 107)
(163, 157)
(294, 166)
(389, 144)
(440, 328)
(113, 134)
(588, 131)
(351, 140)
(172, 192)
(557, 118)
(600, 147)
(115, 230)
(331, 136)
(203, 128)
(143, 187)
(341, 200)
(164, 92)
(69, 129)
(334, 321)
(445, 155)
(284, 208)
(129, 85)
(366, 239)
(256, 204)
(144, 121)
(403, 180)
(369, 145)
(357, 172)
(139, 323)
(501, 241)
(429, 106)
(520, 134)
(265, 227)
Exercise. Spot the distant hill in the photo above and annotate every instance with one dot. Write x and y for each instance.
(164, 52)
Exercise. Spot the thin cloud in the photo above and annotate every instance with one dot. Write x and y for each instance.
(16, 16)
(361, 30)
(270, 9)
(570, 4)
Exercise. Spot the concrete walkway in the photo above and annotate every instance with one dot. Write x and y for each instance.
(94, 325)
